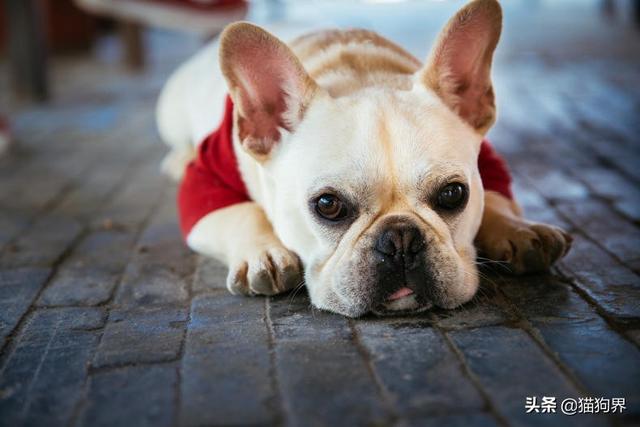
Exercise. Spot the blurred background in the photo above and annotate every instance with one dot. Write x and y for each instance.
(53, 50)
(38, 38)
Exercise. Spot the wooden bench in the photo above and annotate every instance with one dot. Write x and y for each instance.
(204, 18)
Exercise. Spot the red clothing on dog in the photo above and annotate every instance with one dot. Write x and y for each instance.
(212, 181)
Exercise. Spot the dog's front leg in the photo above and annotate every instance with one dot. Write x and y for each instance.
(524, 246)
(241, 236)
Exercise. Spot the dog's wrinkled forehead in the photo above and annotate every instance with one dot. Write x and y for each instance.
(377, 139)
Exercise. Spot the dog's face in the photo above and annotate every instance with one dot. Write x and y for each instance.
(387, 197)
(377, 191)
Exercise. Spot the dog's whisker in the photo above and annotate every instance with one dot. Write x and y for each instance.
(502, 267)
(292, 296)
(481, 290)
(487, 278)
(492, 262)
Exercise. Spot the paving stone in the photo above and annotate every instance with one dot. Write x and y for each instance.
(161, 270)
(424, 378)
(601, 358)
(43, 244)
(90, 274)
(607, 101)
(226, 369)
(12, 221)
(516, 115)
(48, 178)
(130, 207)
(554, 184)
(535, 207)
(624, 158)
(485, 309)
(294, 319)
(104, 253)
(511, 366)
(141, 335)
(618, 236)
(210, 276)
(634, 335)
(13, 161)
(99, 186)
(456, 420)
(65, 178)
(18, 289)
(133, 395)
(527, 196)
(320, 369)
(546, 298)
(51, 235)
(42, 378)
(614, 287)
(609, 184)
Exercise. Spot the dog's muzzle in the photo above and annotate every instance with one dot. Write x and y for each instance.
(400, 254)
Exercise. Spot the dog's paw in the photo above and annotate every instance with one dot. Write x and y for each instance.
(523, 246)
(268, 271)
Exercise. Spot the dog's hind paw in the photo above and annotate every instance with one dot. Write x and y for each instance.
(523, 246)
(267, 271)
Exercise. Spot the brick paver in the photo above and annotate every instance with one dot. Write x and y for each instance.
(111, 393)
(106, 319)
(227, 356)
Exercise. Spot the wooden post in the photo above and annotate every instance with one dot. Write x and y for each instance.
(131, 35)
(27, 48)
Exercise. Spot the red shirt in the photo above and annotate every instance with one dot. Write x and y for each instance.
(212, 180)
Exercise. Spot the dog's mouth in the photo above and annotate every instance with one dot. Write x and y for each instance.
(402, 301)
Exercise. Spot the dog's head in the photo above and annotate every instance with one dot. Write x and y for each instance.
(377, 191)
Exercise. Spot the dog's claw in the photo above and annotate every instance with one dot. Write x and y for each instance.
(268, 271)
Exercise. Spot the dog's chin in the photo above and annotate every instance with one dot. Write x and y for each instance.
(406, 305)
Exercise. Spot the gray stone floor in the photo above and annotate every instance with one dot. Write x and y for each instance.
(107, 319)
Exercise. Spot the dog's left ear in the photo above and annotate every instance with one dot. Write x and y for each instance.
(459, 66)
(268, 84)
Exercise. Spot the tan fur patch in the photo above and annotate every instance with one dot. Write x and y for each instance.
(362, 63)
(311, 44)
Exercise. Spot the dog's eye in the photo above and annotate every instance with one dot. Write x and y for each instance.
(452, 196)
(330, 207)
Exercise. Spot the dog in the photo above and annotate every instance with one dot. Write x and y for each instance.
(346, 164)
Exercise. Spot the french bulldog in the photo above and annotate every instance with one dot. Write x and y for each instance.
(360, 163)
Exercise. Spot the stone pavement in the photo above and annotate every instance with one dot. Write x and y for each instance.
(107, 319)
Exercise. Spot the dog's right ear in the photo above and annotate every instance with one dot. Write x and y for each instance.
(267, 83)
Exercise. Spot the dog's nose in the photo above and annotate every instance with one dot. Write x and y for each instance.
(402, 242)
